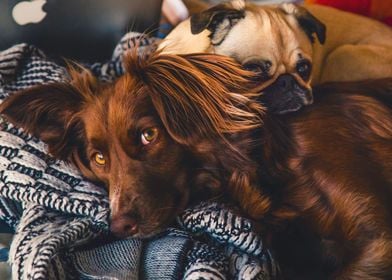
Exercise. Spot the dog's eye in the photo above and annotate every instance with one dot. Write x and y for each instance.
(149, 135)
(260, 68)
(303, 68)
(99, 158)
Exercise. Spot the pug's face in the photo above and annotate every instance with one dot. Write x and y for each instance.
(273, 41)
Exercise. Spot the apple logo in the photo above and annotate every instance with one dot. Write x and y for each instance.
(29, 12)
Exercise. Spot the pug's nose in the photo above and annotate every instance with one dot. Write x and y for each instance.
(285, 82)
(123, 226)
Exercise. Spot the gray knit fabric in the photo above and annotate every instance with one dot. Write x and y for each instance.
(61, 219)
(112, 260)
(165, 256)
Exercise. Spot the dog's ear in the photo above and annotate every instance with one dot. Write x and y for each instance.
(218, 19)
(308, 22)
(50, 112)
(198, 96)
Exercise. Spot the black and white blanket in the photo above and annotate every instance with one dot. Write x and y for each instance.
(61, 220)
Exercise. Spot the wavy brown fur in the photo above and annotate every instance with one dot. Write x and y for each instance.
(209, 111)
(328, 173)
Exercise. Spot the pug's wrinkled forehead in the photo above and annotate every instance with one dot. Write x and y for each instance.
(247, 31)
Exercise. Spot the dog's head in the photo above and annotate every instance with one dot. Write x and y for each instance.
(273, 41)
(138, 136)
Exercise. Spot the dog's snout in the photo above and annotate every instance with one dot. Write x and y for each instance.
(286, 95)
(286, 82)
(124, 226)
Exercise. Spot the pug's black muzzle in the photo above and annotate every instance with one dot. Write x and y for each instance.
(285, 95)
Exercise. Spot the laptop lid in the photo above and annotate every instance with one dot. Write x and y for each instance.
(86, 30)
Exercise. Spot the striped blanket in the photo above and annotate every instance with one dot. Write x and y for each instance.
(61, 220)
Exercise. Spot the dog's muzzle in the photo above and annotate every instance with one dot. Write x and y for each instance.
(285, 95)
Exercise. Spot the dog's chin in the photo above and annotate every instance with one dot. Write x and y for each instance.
(151, 229)
(161, 220)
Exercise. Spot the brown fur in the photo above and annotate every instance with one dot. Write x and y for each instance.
(328, 172)
(319, 180)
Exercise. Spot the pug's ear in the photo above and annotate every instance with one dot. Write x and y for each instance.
(219, 20)
(309, 23)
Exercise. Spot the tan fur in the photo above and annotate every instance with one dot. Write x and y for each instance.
(356, 47)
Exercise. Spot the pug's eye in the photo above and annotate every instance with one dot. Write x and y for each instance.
(304, 68)
(260, 68)
(149, 135)
(99, 159)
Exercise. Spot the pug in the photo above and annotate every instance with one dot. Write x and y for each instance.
(289, 47)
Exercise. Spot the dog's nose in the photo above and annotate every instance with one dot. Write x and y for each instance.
(123, 226)
(285, 82)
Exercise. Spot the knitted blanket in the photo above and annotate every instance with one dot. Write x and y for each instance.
(61, 219)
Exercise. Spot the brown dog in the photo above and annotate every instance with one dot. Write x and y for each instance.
(146, 137)
(319, 180)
